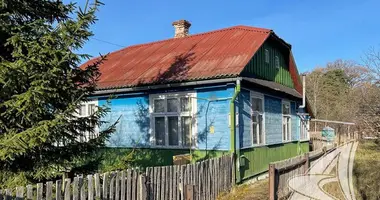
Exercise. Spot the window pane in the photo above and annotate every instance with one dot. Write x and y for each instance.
(266, 56)
(82, 110)
(254, 133)
(172, 105)
(285, 109)
(91, 109)
(257, 104)
(254, 118)
(261, 134)
(284, 128)
(186, 130)
(173, 130)
(185, 104)
(277, 60)
(159, 128)
(159, 105)
(288, 126)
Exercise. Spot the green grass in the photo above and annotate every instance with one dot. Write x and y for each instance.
(367, 170)
(256, 191)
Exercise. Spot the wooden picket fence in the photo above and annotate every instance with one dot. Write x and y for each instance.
(281, 171)
(202, 180)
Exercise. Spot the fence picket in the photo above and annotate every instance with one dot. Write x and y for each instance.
(58, 190)
(122, 186)
(117, 188)
(67, 191)
(98, 190)
(82, 188)
(157, 177)
(143, 188)
(112, 186)
(49, 190)
(105, 185)
(75, 189)
(19, 193)
(8, 194)
(90, 187)
(133, 184)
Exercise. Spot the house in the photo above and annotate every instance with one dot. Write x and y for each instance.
(235, 89)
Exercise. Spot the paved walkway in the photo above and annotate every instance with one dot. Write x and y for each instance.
(309, 186)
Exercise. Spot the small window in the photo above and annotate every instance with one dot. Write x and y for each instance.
(257, 120)
(286, 121)
(266, 56)
(277, 62)
(304, 129)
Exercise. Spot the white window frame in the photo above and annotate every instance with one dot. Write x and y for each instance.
(95, 102)
(191, 113)
(258, 96)
(304, 129)
(289, 116)
(266, 56)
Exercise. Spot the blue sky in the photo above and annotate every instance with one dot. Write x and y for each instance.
(320, 31)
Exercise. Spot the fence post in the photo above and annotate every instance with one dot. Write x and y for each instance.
(307, 163)
(272, 179)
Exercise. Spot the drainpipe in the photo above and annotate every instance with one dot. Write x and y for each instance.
(299, 149)
(303, 91)
(233, 128)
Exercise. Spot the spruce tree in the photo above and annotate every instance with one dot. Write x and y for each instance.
(42, 87)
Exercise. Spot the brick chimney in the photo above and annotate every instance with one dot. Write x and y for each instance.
(181, 28)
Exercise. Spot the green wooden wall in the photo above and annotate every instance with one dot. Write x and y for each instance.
(258, 68)
(258, 158)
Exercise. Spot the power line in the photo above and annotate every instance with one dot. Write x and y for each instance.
(107, 42)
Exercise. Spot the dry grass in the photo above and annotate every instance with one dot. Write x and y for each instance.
(366, 170)
(334, 189)
(254, 191)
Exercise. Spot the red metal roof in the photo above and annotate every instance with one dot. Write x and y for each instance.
(216, 54)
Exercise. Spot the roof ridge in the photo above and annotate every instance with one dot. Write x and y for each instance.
(244, 27)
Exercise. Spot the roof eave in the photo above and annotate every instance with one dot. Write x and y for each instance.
(164, 86)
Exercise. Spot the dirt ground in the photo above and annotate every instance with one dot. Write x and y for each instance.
(254, 191)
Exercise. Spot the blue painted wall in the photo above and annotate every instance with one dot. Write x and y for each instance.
(133, 111)
(244, 109)
(133, 127)
(134, 123)
(218, 113)
(273, 119)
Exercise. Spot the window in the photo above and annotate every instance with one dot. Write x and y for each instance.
(85, 110)
(172, 119)
(286, 121)
(257, 102)
(266, 56)
(304, 129)
(277, 62)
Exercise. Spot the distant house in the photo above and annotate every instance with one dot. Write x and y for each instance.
(235, 89)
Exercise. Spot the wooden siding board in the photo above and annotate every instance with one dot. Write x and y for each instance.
(259, 157)
(257, 67)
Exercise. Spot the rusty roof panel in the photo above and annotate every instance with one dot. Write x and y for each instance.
(215, 54)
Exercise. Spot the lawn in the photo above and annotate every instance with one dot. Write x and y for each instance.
(367, 170)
